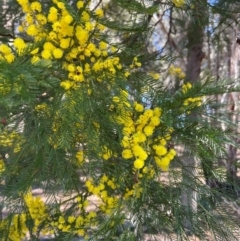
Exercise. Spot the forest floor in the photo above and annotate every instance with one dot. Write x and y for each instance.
(233, 210)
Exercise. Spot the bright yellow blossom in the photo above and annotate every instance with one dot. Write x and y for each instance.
(53, 15)
(138, 107)
(67, 84)
(46, 54)
(102, 45)
(138, 163)
(5, 49)
(148, 130)
(65, 43)
(157, 111)
(85, 16)
(57, 53)
(9, 57)
(79, 156)
(99, 13)
(154, 121)
(127, 154)
(32, 30)
(41, 19)
(160, 150)
(19, 44)
(2, 166)
(80, 4)
(178, 3)
(36, 6)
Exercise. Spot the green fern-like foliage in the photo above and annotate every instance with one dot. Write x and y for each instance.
(104, 139)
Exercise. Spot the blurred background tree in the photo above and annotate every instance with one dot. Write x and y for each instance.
(183, 41)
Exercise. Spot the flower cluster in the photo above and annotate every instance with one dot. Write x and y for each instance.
(6, 53)
(154, 75)
(80, 157)
(2, 166)
(17, 228)
(37, 210)
(46, 223)
(190, 101)
(11, 139)
(140, 141)
(76, 224)
(71, 40)
(178, 3)
(18, 224)
(176, 71)
(134, 192)
(83, 53)
(104, 190)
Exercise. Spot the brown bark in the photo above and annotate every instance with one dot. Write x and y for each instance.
(195, 36)
(234, 54)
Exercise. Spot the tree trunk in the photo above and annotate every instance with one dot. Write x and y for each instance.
(233, 106)
(195, 37)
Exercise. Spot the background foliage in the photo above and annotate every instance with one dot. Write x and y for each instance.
(124, 114)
